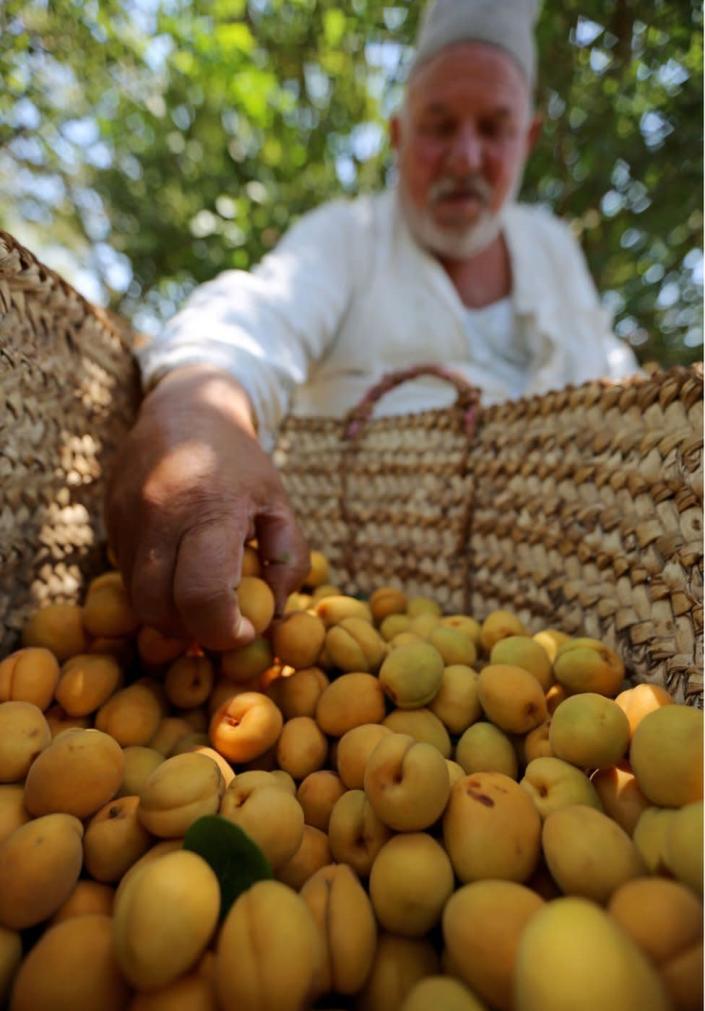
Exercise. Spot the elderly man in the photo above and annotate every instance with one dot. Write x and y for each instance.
(444, 268)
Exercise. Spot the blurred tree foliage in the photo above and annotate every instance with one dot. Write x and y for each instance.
(165, 140)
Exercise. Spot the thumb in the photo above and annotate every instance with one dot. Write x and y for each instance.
(283, 552)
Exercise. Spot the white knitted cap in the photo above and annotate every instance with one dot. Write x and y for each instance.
(508, 24)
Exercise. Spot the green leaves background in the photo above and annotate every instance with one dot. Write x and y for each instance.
(160, 141)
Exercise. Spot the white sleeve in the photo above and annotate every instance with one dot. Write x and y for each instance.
(268, 326)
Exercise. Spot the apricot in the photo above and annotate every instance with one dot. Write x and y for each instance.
(499, 625)
(192, 992)
(343, 913)
(250, 561)
(39, 867)
(421, 724)
(269, 815)
(156, 852)
(485, 748)
(59, 721)
(319, 570)
(268, 925)
(650, 837)
(587, 853)
(554, 696)
(482, 925)
(312, 854)
(297, 694)
(640, 700)
(551, 639)
(298, 602)
(465, 624)
(620, 796)
(86, 898)
(72, 966)
(140, 763)
(332, 610)
(56, 627)
(589, 731)
(387, 600)
(317, 795)
(226, 769)
(350, 701)
(12, 809)
(107, 611)
(247, 662)
(455, 647)
(164, 919)
(169, 733)
(114, 840)
(87, 681)
(683, 846)
(245, 726)
(399, 964)
(79, 772)
(298, 639)
(29, 675)
(355, 645)
(663, 917)
(523, 651)
(441, 992)
(511, 698)
(394, 625)
(572, 954)
(24, 734)
(410, 882)
(189, 681)
(411, 675)
(354, 749)
(536, 744)
(355, 833)
(456, 703)
(10, 958)
(256, 602)
(406, 782)
(491, 829)
(324, 590)
(588, 665)
(131, 715)
(156, 649)
(301, 748)
(666, 755)
(180, 790)
(553, 784)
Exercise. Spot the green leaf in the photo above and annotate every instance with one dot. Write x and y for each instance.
(235, 859)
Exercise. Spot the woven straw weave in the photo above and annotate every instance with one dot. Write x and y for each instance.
(581, 509)
(69, 391)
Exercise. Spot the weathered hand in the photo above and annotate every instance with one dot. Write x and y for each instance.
(189, 487)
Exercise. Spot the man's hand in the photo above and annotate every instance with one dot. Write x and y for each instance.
(189, 487)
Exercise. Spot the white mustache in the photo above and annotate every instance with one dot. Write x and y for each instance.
(468, 186)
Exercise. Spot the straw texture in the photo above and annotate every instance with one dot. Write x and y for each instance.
(68, 386)
(581, 509)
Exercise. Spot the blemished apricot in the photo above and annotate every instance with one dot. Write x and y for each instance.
(247, 662)
(298, 639)
(302, 748)
(114, 840)
(317, 794)
(256, 602)
(29, 675)
(156, 649)
(107, 611)
(189, 681)
(57, 627)
(387, 600)
(297, 694)
(24, 733)
(87, 681)
(245, 726)
(131, 715)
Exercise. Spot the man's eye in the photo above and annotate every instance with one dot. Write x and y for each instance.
(438, 128)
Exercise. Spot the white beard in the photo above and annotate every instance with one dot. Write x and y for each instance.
(454, 244)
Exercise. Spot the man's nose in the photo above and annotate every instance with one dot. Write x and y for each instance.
(466, 151)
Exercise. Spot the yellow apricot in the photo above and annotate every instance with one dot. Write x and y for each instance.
(245, 726)
(179, 791)
(256, 602)
(298, 639)
(350, 701)
(302, 748)
(12, 810)
(312, 854)
(319, 570)
(24, 734)
(511, 698)
(189, 681)
(56, 627)
(114, 840)
(247, 662)
(317, 794)
(87, 681)
(131, 716)
(86, 898)
(499, 625)
(387, 600)
(77, 774)
(29, 675)
(107, 611)
(155, 648)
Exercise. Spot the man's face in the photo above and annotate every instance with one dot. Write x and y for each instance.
(462, 141)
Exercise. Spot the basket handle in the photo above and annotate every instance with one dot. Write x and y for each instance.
(468, 396)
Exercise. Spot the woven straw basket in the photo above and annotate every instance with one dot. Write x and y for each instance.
(580, 509)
